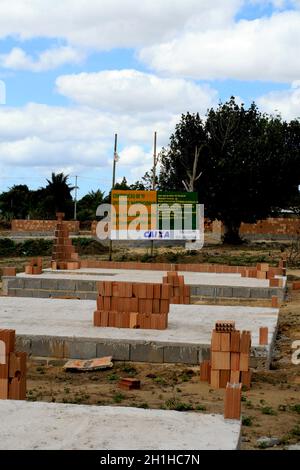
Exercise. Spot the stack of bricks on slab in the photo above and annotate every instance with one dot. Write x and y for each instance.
(64, 255)
(35, 266)
(139, 305)
(230, 356)
(12, 368)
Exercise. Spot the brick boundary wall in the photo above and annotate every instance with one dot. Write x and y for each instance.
(276, 227)
(18, 225)
(273, 226)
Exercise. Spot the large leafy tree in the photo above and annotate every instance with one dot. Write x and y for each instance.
(15, 203)
(249, 163)
(177, 161)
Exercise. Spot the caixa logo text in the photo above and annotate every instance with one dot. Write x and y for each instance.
(156, 234)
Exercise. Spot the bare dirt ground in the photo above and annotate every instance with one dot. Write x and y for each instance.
(271, 408)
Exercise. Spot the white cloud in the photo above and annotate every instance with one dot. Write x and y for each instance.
(263, 49)
(130, 103)
(133, 91)
(46, 138)
(104, 24)
(17, 59)
(286, 103)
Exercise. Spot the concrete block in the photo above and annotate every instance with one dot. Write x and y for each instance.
(66, 285)
(206, 291)
(241, 292)
(23, 343)
(146, 352)
(16, 282)
(42, 294)
(24, 292)
(49, 284)
(30, 283)
(119, 350)
(86, 286)
(10, 292)
(224, 291)
(46, 346)
(260, 293)
(80, 349)
(179, 353)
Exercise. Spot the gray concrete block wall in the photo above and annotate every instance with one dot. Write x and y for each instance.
(134, 351)
(85, 289)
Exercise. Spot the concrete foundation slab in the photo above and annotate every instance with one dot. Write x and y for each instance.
(51, 426)
(64, 328)
(82, 283)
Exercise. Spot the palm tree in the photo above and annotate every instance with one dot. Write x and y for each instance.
(57, 196)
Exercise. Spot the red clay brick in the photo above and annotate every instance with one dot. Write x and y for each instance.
(263, 335)
(235, 376)
(220, 360)
(157, 291)
(224, 378)
(205, 371)
(165, 291)
(225, 342)
(133, 322)
(245, 343)
(244, 362)
(235, 341)
(215, 378)
(296, 285)
(232, 402)
(9, 271)
(215, 341)
(246, 379)
(235, 361)
(164, 306)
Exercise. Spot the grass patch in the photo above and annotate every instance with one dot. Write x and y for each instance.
(145, 406)
(177, 405)
(295, 408)
(112, 377)
(118, 397)
(247, 421)
(268, 410)
(296, 431)
(200, 408)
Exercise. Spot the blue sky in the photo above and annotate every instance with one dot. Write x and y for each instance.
(76, 72)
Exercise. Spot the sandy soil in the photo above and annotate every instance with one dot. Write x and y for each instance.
(271, 407)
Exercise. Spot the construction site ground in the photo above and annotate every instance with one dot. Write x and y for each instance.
(271, 408)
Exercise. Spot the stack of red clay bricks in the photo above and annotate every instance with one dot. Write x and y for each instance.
(35, 266)
(264, 271)
(230, 355)
(64, 255)
(132, 305)
(12, 368)
(180, 293)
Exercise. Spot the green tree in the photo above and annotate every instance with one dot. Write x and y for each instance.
(177, 161)
(87, 206)
(249, 163)
(55, 197)
(15, 203)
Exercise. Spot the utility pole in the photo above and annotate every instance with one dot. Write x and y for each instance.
(113, 185)
(75, 198)
(154, 178)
